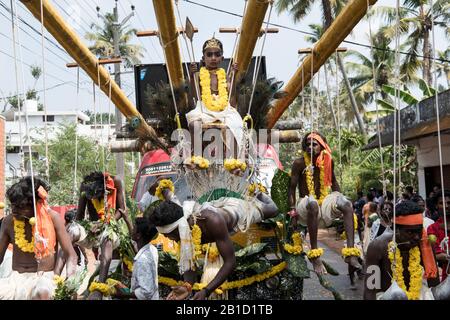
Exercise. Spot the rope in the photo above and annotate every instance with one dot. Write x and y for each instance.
(338, 106)
(311, 106)
(47, 168)
(436, 100)
(260, 55)
(329, 95)
(75, 184)
(19, 102)
(375, 99)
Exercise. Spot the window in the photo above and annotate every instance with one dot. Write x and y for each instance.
(49, 118)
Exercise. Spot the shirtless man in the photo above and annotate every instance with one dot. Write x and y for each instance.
(92, 197)
(408, 222)
(33, 261)
(318, 207)
(216, 220)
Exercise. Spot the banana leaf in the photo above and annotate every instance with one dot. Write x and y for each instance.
(296, 265)
(250, 250)
(279, 190)
(259, 266)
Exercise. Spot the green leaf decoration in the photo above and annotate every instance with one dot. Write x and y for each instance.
(168, 264)
(280, 189)
(257, 267)
(250, 250)
(296, 265)
(330, 269)
(217, 194)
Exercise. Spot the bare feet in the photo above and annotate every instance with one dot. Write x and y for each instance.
(318, 266)
(353, 263)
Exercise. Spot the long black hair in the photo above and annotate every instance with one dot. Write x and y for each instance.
(20, 194)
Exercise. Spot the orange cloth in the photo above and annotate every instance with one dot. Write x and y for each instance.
(111, 199)
(45, 241)
(325, 158)
(426, 251)
(409, 220)
(112, 191)
(429, 263)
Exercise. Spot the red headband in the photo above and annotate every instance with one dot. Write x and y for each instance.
(409, 220)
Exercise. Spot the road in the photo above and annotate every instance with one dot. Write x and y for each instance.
(312, 290)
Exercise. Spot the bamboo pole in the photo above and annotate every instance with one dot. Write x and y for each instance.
(353, 12)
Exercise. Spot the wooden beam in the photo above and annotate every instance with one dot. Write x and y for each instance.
(352, 13)
(261, 32)
(152, 33)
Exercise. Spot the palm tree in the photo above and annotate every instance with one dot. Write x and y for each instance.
(443, 66)
(415, 22)
(299, 9)
(103, 46)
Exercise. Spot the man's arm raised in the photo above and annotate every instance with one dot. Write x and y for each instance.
(226, 250)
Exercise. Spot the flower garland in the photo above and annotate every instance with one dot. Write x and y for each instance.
(350, 252)
(196, 240)
(214, 103)
(19, 237)
(414, 268)
(230, 285)
(128, 263)
(315, 253)
(199, 161)
(324, 190)
(99, 205)
(213, 252)
(296, 248)
(107, 289)
(162, 185)
(233, 164)
(256, 186)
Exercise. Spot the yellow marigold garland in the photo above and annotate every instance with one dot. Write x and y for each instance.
(233, 164)
(315, 253)
(128, 263)
(256, 186)
(107, 289)
(414, 268)
(217, 104)
(350, 252)
(58, 279)
(200, 162)
(213, 252)
(230, 285)
(324, 190)
(296, 248)
(19, 237)
(99, 205)
(197, 239)
(162, 185)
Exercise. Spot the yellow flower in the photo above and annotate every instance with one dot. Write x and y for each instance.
(315, 253)
(162, 185)
(128, 263)
(296, 248)
(58, 280)
(348, 252)
(197, 239)
(200, 162)
(256, 186)
(324, 190)
(19, 237)
(414, 268)
(32, 221)
(106, 289)
(233, 164)
(205, 82)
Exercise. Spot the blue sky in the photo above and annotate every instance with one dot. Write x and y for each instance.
(280, 49)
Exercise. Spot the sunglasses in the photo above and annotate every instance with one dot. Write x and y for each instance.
(218, 54)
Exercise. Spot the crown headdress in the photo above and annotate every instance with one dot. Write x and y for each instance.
(212, 43)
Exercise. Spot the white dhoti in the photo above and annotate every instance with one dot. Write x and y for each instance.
(245, 212)
(327, 212)
(27, 286)
(425, 292)
(230, 117)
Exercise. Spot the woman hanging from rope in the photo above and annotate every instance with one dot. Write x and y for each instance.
(317, 207)
(217, 101)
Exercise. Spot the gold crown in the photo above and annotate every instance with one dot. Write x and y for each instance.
(213, 43)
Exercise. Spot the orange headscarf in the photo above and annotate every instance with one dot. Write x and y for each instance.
(325, 158)
(428, 260)
(45, 240)
(111, 199)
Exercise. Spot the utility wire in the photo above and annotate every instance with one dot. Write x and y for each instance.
(311, 34)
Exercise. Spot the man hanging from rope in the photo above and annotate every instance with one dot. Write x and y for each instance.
(215, 103)
(212, 222)
(103, 218)
(317, 207)
(399, 271)
(34, 239)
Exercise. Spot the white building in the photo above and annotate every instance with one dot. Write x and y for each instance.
(419, 129)
(15, 128)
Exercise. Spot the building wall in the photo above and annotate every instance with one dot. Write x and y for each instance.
(428, 156)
